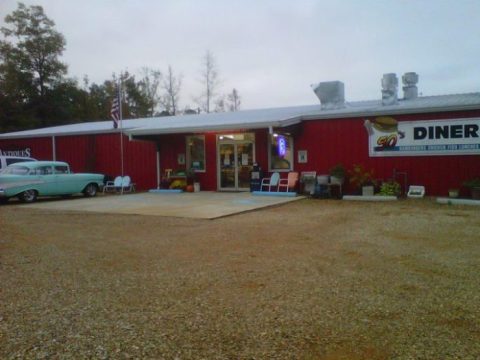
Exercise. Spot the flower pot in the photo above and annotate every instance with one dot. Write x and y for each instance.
(367, 190)
(336, 180)
(196, 187)
(453, 193)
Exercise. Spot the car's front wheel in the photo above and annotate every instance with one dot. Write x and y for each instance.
(28, 196)
(90, 190)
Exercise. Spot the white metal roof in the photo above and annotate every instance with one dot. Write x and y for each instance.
(259, 118)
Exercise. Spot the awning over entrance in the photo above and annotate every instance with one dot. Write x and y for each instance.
(250, 119)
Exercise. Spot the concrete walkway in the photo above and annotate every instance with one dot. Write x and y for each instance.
(201, 205)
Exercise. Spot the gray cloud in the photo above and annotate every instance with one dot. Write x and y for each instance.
(273, 50)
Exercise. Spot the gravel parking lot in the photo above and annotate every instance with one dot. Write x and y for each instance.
(312, 279)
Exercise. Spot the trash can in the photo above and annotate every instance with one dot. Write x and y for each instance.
(256, 176)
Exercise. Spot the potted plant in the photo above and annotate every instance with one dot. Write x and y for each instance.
(390, 188)
(474, 185)
(337, 174)
(362, 180)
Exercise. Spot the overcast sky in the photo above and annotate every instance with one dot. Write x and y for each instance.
(272, 51)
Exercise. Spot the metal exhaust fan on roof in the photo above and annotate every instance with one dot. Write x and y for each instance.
(331, 94)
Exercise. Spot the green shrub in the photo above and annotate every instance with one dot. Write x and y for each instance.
(390, 188)
(338, 171)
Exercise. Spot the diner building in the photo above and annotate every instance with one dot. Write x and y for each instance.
(432, 141)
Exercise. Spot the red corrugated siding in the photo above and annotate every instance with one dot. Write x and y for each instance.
(139, 159)
(73, 150)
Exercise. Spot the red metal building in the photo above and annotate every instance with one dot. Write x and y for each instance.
(432, 141)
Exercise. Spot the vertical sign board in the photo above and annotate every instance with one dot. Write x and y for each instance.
(388, 137)
(281, 146)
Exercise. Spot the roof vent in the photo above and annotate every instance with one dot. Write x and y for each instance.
(389, 89)
(331, 94)
(410, 90)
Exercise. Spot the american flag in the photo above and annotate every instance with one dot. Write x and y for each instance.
(115, 112)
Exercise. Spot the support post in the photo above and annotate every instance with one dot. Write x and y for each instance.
(158, 166)
(54, 149)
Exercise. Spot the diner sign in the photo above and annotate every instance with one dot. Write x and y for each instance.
(389, 137)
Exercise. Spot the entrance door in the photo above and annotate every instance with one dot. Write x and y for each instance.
(228, 181)
(235, 161)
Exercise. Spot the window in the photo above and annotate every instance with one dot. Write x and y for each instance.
(41, 170)
(16, 160)
(280, 152)
(61, 169)
(196, 152)
(16, 170)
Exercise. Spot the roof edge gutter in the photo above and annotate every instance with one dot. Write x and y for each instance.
(70, 133)
(266, 125)
(391, 112)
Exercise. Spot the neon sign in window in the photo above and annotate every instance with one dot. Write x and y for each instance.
(281, 152)
(281, 146)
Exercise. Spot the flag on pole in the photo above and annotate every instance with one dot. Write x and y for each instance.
(115, 112)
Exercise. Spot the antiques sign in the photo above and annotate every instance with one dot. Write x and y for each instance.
(25, 152)
(389, 137)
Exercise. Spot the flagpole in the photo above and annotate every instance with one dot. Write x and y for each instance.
(121, 125)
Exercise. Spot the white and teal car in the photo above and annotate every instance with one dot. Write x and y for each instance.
(28, 180)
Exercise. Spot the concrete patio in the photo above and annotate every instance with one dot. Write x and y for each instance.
(201, 205)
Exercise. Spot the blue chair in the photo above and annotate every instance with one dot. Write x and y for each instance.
(271, 182)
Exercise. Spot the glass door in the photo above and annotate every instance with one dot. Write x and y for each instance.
(244, 152)
(226, 154)
(235, 161)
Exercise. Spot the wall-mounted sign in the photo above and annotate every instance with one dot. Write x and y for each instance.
(389, 137)
(302, 156)
(26, 152)
(181, 159)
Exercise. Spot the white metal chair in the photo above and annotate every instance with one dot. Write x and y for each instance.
(271, 182)
(127, 185)
(416, 191)
(112, 186)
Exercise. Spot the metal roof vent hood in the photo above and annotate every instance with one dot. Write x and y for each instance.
(331, 94)
(389, 89)
(410, 90)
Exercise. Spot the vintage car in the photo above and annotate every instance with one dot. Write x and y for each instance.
(28, 180)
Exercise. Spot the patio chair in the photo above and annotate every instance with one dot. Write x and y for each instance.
(112, 186)
(271, 182)
(127, 185)
(290, 183)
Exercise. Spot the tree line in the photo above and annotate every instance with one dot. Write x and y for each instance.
(35, 90)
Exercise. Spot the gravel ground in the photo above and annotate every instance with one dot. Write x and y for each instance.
(308, 280)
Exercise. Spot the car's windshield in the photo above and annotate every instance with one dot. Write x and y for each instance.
(16, 170)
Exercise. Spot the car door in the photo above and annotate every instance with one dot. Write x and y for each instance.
(66, 182)
(45, 179)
